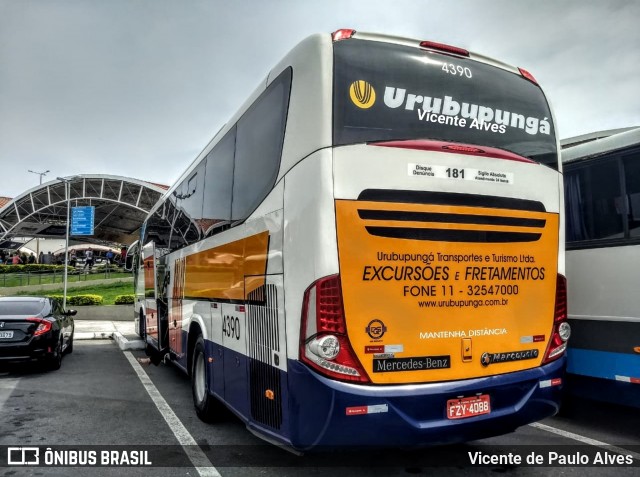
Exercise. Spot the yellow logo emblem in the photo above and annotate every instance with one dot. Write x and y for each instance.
(362, 94)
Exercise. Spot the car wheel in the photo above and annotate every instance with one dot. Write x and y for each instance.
(208, 408)
(55, 360)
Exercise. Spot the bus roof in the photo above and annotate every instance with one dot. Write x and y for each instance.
(314, 76)
(595, 144)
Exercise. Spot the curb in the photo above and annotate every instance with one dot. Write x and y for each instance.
(122, 342)
(98, 335)
(125, 344)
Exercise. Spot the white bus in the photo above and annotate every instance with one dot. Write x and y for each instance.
(370, 252)
(602, 196)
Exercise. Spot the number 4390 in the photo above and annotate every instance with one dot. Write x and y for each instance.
(456, 70)
(231, 327)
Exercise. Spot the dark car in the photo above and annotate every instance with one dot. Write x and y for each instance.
(35, 328)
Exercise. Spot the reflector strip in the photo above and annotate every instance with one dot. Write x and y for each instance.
(550, 382)
(374, 409)
(627, 379)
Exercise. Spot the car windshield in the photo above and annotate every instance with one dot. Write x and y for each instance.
(21, 307)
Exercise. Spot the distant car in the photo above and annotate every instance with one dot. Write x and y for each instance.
(35, 328)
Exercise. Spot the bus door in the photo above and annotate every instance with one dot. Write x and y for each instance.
(150, 293)
(155, 297)
(176, 307)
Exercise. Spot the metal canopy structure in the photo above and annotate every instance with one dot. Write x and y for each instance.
(121, 205)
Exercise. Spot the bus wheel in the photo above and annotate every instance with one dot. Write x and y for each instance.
(208, 408)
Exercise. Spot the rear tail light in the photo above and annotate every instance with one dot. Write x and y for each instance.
(561, 328)
(432, 45)
(324, 344)
(528, 75)
(43, 326)
(343, 34)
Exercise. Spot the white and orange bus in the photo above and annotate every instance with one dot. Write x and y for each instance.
(370, 252)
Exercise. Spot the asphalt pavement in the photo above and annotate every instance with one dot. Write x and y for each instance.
(102, 399)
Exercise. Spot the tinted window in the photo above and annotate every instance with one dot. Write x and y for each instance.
(391, 92)
(57, 307)
(260, 133)
(594, 203)
(218, 184)
(632, 184)
(158, 227)
(21, 307)
(189, 194)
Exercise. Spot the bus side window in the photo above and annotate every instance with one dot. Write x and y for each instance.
(259, 142)
(216, 208)
(632, 185)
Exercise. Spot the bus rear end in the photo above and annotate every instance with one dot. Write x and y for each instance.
(446, 320)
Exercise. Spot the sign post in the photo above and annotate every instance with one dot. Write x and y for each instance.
(82, 220)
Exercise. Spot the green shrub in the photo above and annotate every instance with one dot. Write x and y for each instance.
(80, 300)
(125, 299)
(32, 267)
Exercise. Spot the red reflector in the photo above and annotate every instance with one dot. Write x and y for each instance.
(556, 381)
(343, 34)
(441, 146)
(432, 45)
(528, 75)
(463, 149)
(356, 410)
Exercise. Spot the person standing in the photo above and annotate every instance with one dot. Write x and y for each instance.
(88, 255)
(16, 260)
(109, 255)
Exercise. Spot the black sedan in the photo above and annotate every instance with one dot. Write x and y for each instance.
(35, 328)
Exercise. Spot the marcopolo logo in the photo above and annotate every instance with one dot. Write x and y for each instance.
(491, 358)
(362, 94)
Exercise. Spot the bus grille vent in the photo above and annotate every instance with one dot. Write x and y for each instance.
(444, 224)
(264, 334)
(264, 343)
(266, 394)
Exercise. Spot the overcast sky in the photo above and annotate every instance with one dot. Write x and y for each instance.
(138, 87)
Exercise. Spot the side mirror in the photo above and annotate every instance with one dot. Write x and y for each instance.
(71, 312)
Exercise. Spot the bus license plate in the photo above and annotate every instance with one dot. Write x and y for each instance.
(468, 407)
(6, 334)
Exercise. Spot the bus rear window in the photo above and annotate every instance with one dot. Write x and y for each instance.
(386, 91)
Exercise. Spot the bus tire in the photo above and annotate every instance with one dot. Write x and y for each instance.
(208, 408)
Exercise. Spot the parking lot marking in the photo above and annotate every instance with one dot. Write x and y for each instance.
(586, 440)
(197, 457)
(6, 388)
